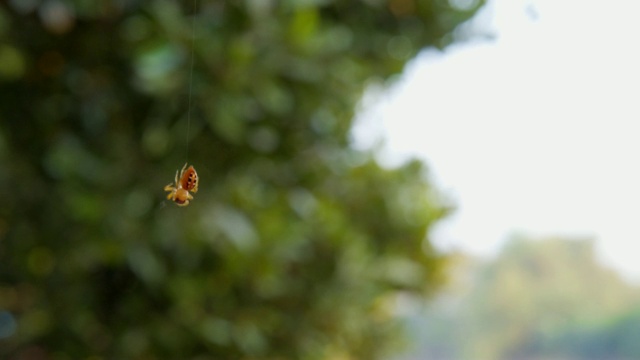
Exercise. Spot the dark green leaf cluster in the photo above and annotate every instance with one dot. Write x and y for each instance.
(296, 246)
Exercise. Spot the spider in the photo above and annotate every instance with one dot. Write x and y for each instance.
(188, 182)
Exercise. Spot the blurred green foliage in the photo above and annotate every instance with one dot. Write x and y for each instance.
(615, 338)
(296, 245)
(544, 299)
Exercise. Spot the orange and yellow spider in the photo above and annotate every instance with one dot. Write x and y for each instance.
(187, 181)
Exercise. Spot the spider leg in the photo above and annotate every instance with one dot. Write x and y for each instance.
(181, 172)
(172, 191)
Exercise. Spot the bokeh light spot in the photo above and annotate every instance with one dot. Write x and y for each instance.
(400, 47)
(263, 139)
(8, 324)
(12, 64)
(217, 331)
(57, 16)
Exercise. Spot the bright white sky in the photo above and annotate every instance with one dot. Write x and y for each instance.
(533, 132)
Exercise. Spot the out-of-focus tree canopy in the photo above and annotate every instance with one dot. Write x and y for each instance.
(544, 299)
(615, 338)
(295, 247)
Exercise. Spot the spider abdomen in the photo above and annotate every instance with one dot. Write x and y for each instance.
(189, 180)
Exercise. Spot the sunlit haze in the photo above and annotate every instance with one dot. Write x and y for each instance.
(533, 130)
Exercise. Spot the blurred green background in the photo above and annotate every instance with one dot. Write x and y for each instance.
(540, 298)
(297, 246)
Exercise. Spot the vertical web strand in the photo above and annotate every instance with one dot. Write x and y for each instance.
(193, 42)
